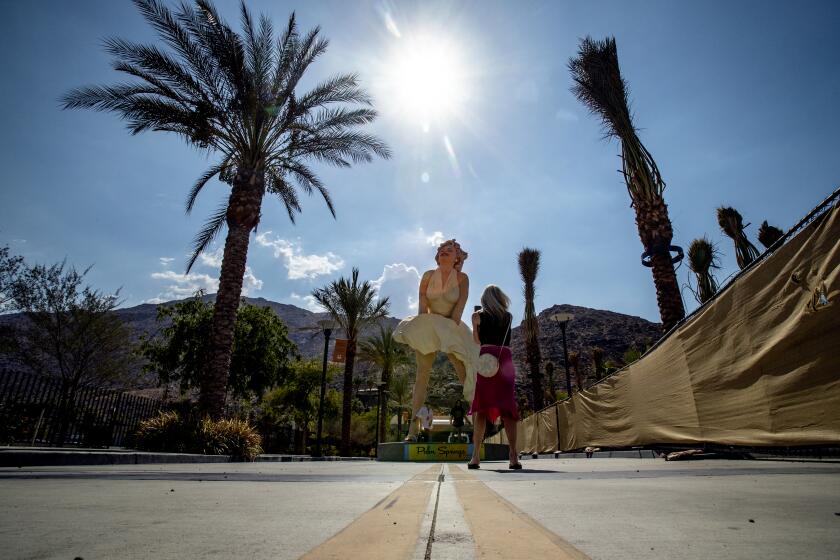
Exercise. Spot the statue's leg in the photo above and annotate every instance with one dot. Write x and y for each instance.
(421, 383)
(460, 370)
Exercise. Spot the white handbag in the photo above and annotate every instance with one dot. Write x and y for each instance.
(488, 364)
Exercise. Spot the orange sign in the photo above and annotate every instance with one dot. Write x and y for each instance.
(340, 350)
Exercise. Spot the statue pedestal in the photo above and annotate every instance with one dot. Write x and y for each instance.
(436, 452)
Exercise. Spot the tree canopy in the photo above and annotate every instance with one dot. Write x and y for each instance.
(262, 352)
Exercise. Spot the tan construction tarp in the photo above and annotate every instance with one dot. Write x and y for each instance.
(758, 366)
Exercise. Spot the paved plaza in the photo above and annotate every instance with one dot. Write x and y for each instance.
(559, 508)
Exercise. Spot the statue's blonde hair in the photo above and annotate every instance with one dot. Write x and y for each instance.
(460, 254)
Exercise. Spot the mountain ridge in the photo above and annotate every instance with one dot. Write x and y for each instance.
(613, 332)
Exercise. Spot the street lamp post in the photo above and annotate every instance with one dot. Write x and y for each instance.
(563, 319)
(327, 326)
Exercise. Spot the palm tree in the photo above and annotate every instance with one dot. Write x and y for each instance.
(549, 379)
(598, 362)
(574, 365)
(387, 354)
(529, 266)
(400, 390)
(599, 86)
(353, 307)
(768, 235)
(236, 94)
(702, 257)
(732, 224)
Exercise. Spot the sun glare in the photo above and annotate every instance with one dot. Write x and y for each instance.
(427, 79)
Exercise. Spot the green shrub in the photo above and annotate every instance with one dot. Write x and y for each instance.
(169, 433)
(165, 432)
(230, 437)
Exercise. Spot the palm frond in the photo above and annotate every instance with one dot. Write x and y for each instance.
(732, 224)
(307, 180)
(171, 29)
(105, 98)
(768, 235)
(208, 233)
(529, 264)
(217, 169)
(338, 89)
(337, 119)
(277, 184)
(342, 148)
(153, 65)
(352, 304)
(703, 256)
(601, 88)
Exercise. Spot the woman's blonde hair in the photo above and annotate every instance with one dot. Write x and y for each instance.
(494, 301)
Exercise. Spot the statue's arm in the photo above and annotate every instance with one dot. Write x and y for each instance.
(423, 305)
(464, 285)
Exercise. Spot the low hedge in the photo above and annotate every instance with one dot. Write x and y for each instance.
(168, 432)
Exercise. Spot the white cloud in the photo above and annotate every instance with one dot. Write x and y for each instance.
(435, 239)
(399, 283)
(183, 285)
(250, 283)
(309, 302)
(213, 259)
(297, 263)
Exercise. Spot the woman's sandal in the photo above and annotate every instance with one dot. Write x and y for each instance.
(473, 466)
(515, 466)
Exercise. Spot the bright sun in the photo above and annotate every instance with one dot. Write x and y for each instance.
(427, 79)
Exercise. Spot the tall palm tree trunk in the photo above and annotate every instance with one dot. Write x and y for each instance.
(242, 217)
(347, 401)
(656, 233)
(529, 266)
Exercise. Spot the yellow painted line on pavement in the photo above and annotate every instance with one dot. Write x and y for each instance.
(500, 529)
(387, 531)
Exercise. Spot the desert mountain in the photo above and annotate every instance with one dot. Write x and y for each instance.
(614, 332)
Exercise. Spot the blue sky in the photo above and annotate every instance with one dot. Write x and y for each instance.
(737, 102)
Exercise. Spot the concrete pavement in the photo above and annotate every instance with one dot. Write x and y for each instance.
(572, 508)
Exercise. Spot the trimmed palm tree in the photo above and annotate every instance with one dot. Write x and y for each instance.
(400, 390)
(549, 379)
(768, 235)
(387, 354)
(598, 362)
(732, 224)
(353, 305)
(236, 95)
(702, 258)
(529, 266)
(600, 86)
(574, 365)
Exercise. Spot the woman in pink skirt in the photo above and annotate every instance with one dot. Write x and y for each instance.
(494, 396)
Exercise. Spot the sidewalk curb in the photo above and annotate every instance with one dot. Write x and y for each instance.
(70, 457)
